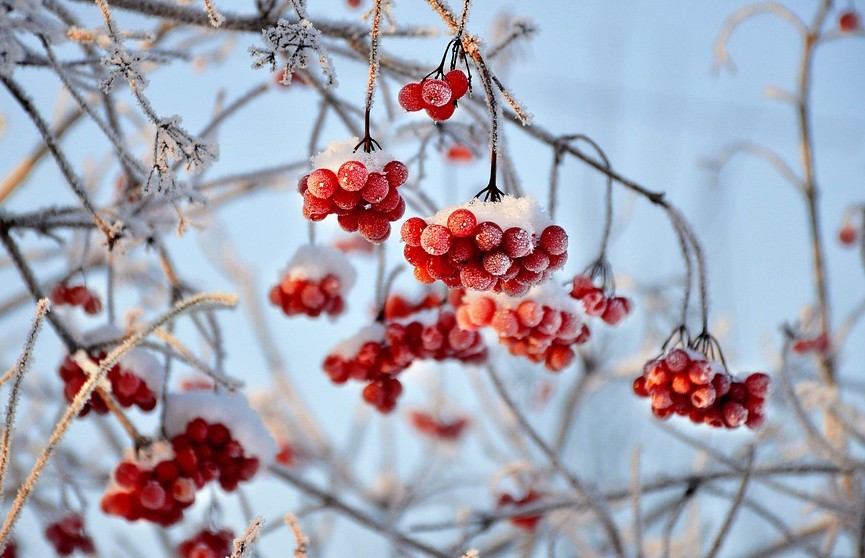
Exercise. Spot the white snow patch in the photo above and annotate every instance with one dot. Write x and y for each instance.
(511, 211)
(315, 262)
(338, 152)
(348, 348)
(233, 411)
(427, 316)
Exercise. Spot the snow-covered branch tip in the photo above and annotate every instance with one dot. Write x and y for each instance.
(245, 543)
(173, 143)
(297, 43)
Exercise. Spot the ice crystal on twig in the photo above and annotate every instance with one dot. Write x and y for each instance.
(297, 43)
(173, 143)
(123, 65)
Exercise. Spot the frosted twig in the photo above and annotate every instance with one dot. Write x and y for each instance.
(21, 367)
(245, 543)
(302, 541)
(722, 57)
(216, 18)
(228, 383)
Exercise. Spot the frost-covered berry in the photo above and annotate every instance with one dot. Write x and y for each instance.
(410, 97)
(442, 113)
(207, 544)
(458, 82)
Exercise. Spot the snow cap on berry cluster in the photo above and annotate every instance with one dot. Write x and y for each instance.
(233, 411)
(338, 152)
(314, 262)
(348, 348)
(523, 212)
(549, 294)
(137, 361)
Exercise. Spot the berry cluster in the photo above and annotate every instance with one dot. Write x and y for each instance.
(435, 427)
(153, 492)
(202, 448)
(687, 383)
(526, 522)
(435, 335)
(77, 295)
(438, 97)
(506, 246)
(207, 544)
(541, 325)
(381, 351)
(612, 310)
(314, 283)
(135, 380)
(360, 188)
(68, 535)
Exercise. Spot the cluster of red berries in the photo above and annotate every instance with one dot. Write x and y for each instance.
(207, 544)
(127, 387)
(204, 452)
(687, 383)
(77, 295)
(158, 493)
(539, 325)
(68, 535)
(848, 21)
(482, 256)
(369, 357)
(612, 310)
(381, 351)
(364, 201)
(435, 427)
(438, 97)
(305, 296)
(526, 522)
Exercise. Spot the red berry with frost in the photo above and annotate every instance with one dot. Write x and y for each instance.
(462, 223)
(374, 226)
(582, 286)
(352, 176)
(516, 242)
(758, 384)
(677, 360)
(375, 189)
(488, 236)
(436, 92)
(411, 231)
(436, 240)
(476, 278)
(410, 97)
(617, 310)
(322, 183)
(396, 173)
(594, 302)
(734, 414)
(554, 240)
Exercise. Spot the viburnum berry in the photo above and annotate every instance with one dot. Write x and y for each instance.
(848, 21)
(359, 187)
(67, 535)
(526, 522)
(315, 282)
(459, 154)
(611, 309)
(482, 254)
(435, 92)
(77, 295)
(206, 544)
(848, 235)
(685, 382)
(816, 344)
(458, 83)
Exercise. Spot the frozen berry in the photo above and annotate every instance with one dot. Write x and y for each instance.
(410, 97)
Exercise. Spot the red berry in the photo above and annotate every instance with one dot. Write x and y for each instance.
(582, 286)
(396, 173)
(322, 183)
(374, 226)
(516, 242)
(411, 230)
(639, 387)
(703, 397)
(496, 263)
(847, 235)
(410, 97)
(436, 92)
(734, 414)
(127, 474)
(488, 236)
(345, 199)
(616, 311)
(758, 384)
(481, 311)
(677, 360)
(462, 223)
(848, 21)
(440, 114)
(701, 372)
(594, 302)
(352, 176)
(458, 82)
(376, 188)
(477, 278)
(436, 240)
(554, 240)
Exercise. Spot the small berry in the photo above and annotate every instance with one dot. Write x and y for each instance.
(458, 82)
(847, 235)
(848, 21)
(462, 223)
(410, 97)
(442, 113)
(435, 92)
(352, 176)
(436, 240)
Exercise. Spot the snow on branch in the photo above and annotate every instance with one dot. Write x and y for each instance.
(297, 42)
